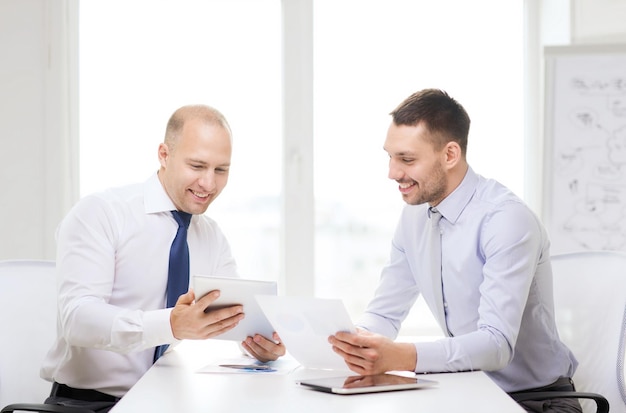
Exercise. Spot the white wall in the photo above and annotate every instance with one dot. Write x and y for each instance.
(38, 168)
(38, 104)
(598, 21)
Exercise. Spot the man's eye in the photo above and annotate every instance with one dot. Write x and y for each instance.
(407, 160)
(197, 166)
(221, 170)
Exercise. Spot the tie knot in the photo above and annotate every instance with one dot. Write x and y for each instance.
(183, 218)
(435, 215)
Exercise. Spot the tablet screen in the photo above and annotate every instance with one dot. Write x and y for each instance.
(366, 384)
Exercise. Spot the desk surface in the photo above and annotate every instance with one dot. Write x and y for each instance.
(173, 384)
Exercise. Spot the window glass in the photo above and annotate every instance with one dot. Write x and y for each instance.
(140, 60)
(371, 55)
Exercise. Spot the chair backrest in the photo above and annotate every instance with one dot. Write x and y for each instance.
(590, 306)
(28, 320)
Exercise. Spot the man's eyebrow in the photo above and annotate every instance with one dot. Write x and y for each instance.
(192, 160)
(201, 162)
(401, 153)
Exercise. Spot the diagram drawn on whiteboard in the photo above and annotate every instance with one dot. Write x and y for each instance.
(585, 193)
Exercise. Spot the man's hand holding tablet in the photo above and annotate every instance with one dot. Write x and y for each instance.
(254, 331)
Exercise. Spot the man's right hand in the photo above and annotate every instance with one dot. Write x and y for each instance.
(189, 321)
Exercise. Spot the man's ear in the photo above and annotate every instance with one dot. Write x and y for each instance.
(163, 153)
(453, 154)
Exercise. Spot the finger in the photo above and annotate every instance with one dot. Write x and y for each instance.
(344, 346)
(356, 364)
(208, 298)
(352, 338)
(272, 348)
(257, 351)
(361, 365)
(214, 316)
(221, 326)
(357, 369)
(362, 358)
(186, 299)
(263, 349)
(349, 354)
(247, 345)
(352, 359)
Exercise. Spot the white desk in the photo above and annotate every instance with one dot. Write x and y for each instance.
(174, 385)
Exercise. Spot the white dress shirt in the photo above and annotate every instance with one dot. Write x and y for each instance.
(497, 309)
(112, 264)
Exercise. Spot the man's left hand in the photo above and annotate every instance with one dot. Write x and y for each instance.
(264, 349)
(367, 353)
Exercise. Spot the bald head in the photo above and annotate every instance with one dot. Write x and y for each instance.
(205, 113)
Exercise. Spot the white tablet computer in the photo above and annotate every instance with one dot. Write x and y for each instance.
(235, 291)
(366, 384)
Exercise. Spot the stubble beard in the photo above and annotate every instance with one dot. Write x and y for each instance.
(433, 191)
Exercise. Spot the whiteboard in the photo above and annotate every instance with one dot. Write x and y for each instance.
(584, 194)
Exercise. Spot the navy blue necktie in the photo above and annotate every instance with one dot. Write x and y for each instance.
(178, 272)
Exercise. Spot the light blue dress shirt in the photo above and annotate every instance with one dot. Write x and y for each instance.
(497, 310)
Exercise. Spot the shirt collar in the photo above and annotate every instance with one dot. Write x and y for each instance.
(454, 204)
(155, 198)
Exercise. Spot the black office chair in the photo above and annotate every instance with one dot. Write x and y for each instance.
(28, 311)
(590, 308)
(43, 408)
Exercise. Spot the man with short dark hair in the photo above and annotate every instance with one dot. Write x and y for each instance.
(476, 253)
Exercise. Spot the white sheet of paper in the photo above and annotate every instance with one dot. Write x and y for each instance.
(304, 324)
